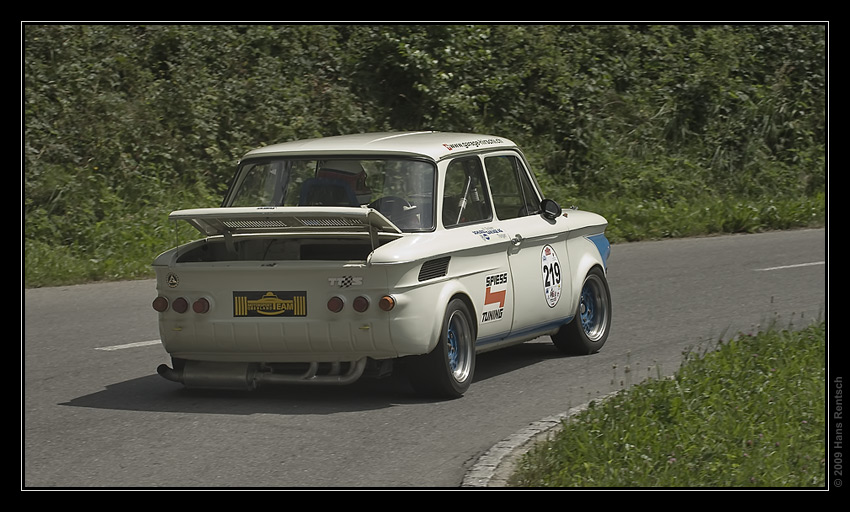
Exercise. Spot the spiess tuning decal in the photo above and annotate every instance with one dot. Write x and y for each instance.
(494, 297)
(276, 304)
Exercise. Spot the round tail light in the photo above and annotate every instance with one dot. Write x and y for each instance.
(386, 303)
(201, 306)
(180, 305)
(335, 304)
(361, 304)
(160, 304)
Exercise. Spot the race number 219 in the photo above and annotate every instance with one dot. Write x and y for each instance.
(551, 269)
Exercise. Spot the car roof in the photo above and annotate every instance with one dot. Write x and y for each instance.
(431, 144)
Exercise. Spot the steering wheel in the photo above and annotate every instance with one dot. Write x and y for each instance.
(391, 205)
(395, 208)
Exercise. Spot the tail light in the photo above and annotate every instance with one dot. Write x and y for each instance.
(180, 305)
(361, 304)
(160, 304)
(386, 303)
(201, 305)
(335, 304)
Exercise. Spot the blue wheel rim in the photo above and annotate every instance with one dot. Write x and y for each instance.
(459, 343)
(452, 346)
(593, 308)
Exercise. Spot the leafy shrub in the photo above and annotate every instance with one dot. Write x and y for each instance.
(120, 119)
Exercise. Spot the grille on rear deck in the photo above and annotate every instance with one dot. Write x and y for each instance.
(433, 269)
(255, 224)
(330, 222)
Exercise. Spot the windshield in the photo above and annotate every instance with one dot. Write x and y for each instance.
(401, 189)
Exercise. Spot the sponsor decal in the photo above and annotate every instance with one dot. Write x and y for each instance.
(277, 304)
(551, 270)
(472, 143)
(489, 233)
(172, 280)
(494, 297)
(345, 281)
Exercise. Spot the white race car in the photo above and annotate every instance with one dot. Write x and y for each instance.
(337, 257)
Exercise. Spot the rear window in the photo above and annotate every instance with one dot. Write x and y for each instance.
(401, 189)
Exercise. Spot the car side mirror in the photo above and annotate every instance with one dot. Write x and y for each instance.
(550, 209)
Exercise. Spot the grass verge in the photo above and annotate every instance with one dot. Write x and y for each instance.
(748, 414)
(125, 247)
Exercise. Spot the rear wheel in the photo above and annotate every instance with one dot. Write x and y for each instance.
(589, 329)
(447, 370)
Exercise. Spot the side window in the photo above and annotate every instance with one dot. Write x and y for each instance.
(465, 198)
(513, 193)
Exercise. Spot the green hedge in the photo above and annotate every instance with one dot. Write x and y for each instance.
(125, 122)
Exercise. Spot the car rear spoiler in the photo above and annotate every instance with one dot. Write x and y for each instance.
(287, 220)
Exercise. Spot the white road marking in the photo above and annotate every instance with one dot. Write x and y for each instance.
(792, 266)
(130, 345)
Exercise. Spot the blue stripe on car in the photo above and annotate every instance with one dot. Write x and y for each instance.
(542, 329)
(604, 247)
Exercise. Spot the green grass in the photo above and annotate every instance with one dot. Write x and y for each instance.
(642, 220)
(121, 248)
(125, 247)
(748, 414)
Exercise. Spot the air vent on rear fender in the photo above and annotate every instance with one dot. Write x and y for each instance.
(433, 269)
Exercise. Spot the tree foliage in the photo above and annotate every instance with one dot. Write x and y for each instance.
(120, 119)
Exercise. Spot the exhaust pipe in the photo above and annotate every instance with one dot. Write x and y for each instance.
(212, 375)
(168, 373)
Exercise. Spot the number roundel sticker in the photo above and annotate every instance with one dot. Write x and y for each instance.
(551, 269)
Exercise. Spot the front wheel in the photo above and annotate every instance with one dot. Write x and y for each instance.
(589, 329)
(447, 370)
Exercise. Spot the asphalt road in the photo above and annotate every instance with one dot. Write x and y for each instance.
(96, 415)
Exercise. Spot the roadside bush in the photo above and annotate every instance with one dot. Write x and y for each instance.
(123, 119)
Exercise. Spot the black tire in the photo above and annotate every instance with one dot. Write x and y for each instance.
(446, 372)
(588, 330)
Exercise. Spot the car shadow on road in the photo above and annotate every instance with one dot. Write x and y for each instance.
(155, 394)
(506, 360)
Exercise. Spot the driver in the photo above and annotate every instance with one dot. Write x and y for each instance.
(352, 173)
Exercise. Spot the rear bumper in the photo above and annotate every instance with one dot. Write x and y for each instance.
(248, 376)
(272, 340)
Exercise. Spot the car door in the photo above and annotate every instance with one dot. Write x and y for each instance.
(537, 253)
(466, 210)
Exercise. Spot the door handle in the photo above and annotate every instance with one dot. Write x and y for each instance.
(517, 239)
